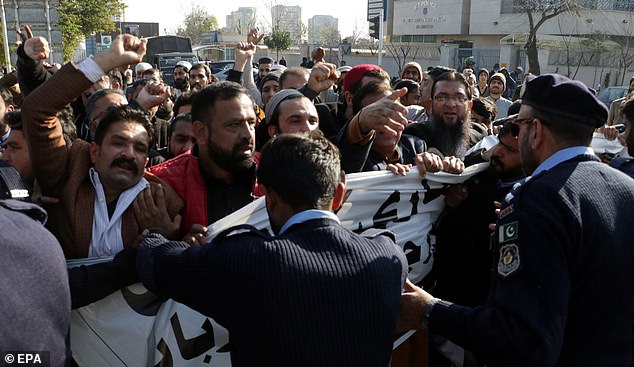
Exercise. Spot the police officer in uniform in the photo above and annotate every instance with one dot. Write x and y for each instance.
(562, 289)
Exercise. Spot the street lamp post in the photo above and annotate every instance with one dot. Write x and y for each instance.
(7, 57)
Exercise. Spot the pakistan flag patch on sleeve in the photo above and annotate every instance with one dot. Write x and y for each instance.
(508, 232)
(509, 259)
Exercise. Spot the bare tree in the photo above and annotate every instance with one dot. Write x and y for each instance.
(401, 52)
(358, 30)
(330, 36)
(624, 53)
(538, 12)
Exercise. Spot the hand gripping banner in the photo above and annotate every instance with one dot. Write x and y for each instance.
(134, 327)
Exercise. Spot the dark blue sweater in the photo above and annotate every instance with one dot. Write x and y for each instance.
(562, 291)
(318, 295)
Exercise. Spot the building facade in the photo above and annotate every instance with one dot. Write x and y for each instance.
(241, 21)
(288, 19)
(593, 43)
(323, 30)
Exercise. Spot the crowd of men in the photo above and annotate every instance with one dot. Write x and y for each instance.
(136, 170)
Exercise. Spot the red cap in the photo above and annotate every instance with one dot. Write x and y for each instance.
(356, 74)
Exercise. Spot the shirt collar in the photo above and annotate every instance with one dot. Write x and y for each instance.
(562, 156)
(307, 215)
(5, 137)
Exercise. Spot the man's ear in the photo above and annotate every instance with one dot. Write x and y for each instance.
(340, 192)
(201, 132)
(348, 97)
(272, 131)
(539, 135)
(10, 108)
(94, 152)
(271, 197)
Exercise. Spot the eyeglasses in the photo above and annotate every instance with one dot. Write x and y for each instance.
(515, 125)
(442, 98)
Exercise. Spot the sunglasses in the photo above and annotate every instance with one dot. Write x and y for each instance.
(515, 125)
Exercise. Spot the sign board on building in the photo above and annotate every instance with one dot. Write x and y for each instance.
(426, 17)
(106, 41)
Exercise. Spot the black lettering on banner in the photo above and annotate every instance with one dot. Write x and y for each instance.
(414, 199)
(381, 218)
(225, 348)
(431, 245)
(194, 347)
(146, 304)
(412, 253)
(432, 194)
(164, 349)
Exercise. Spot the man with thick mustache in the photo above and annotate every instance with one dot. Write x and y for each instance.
(449, 130)
(105, 200)
(217, 176)
(97, 182)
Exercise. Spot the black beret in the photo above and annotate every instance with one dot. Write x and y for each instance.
(568, 99)
(265, 60)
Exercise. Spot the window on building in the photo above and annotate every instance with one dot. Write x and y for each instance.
(624, 5)
(589, 4)
(510, 7)
(418, 38)
(518, 6)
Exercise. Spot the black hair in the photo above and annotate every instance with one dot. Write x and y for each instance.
(206, 69)
(186, 98)
(92, 100)
(451, 76)
(205, 100)
(183, 117)
(116, 114)
(303, 169)
(407, 83)
(295, 71)
(484, 108)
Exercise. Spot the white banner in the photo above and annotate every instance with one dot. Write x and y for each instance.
(134, 327)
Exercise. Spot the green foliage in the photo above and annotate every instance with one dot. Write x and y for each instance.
(197, 21)
(79, 18)
(278, 41)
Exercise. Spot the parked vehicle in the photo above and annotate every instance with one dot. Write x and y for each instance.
(221, 68)
(164, 52)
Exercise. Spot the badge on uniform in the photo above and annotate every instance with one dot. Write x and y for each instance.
(509, 259)
(506, 211)
(508, 232)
